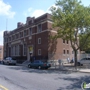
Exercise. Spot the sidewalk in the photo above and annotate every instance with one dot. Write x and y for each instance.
(70, 67)
(66, 67)
(85, 70)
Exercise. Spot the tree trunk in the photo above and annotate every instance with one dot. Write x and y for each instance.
(75, 59)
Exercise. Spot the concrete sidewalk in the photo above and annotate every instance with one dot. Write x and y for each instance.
(85, 70)
(66, 67)
(72, 68)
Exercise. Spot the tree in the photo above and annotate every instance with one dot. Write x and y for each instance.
(86, 46)
(71, 19)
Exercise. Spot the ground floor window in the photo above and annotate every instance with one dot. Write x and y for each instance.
(39, 51)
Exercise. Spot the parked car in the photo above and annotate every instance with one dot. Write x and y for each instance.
(83, 61)
(9, 60)
(39, 64)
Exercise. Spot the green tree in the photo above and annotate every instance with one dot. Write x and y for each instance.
(86, 46)
(71, 18)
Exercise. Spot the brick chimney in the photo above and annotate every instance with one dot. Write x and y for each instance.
(19, 24)
(30, 20)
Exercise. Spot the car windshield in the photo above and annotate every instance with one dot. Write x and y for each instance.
(83, 59)
(88, 58)
(8, 58)
(38, 61)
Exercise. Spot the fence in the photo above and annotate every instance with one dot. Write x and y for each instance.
(54, 59)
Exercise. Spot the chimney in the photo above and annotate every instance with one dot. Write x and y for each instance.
(30, 20)
(19, 24)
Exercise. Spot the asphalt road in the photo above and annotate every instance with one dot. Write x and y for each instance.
(23, 78)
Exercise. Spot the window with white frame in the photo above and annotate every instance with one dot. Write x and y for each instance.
(39, 51)
(25, 49)
(39, 40)
(30, 31)
(39, 28)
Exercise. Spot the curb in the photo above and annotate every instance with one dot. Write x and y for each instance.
(69, 70)
(61, 69)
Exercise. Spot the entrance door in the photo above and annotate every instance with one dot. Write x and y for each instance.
(30, 50)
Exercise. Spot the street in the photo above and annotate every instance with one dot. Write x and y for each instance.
(23, 78)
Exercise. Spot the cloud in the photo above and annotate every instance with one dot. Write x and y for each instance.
(33, 13)
(5, 10)
(27, 12)
(38, 12)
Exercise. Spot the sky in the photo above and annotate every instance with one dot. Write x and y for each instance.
(14, 11)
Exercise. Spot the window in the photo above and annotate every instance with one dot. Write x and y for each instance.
(36, 61)
(13, 37)
(39, 40)
(39, 51)
(67, 41)
(25, 49)
(5, 39)
(19, 49)
(21, 34)
(63, 51)
(24, 32)
(63, 40)
(39, 28)
(67, 51)
(16, 36)
(30, 31)
(9, 38)
(15, 50)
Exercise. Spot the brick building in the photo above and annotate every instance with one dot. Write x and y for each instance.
(34, 37)
(1, 52)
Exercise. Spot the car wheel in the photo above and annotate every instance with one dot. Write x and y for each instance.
(29, 66)
(15, 64)
(3, 63)
(78, 63)
(39, 67)
(46, 68)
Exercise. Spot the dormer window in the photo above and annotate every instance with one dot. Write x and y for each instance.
(39, 28)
